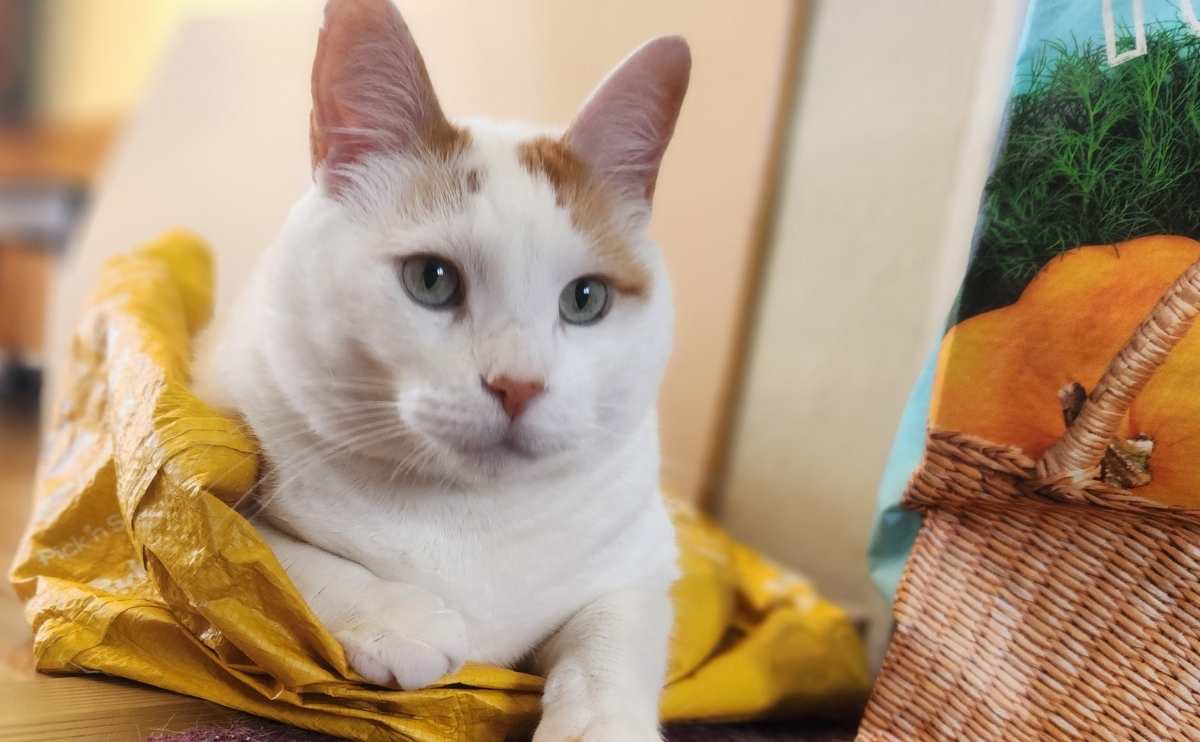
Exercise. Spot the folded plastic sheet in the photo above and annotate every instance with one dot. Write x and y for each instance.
(136, 563)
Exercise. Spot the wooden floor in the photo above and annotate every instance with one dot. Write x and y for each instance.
(18, 452)
(39, 707)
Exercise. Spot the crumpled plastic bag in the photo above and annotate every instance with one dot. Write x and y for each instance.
(135, 563)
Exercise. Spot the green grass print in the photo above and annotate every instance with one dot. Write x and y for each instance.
(1094, 155)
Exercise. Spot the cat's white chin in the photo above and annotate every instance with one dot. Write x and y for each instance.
(498, 459)
(511, 451)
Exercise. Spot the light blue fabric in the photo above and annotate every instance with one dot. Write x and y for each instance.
(1062, 21)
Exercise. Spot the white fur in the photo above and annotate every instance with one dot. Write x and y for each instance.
(422, 530)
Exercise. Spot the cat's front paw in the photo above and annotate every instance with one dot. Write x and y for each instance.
(408, 639)
(599, 730)
(572, 713)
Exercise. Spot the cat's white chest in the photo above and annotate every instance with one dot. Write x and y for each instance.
(514, 563)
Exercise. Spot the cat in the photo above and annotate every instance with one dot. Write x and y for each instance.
(451, 357)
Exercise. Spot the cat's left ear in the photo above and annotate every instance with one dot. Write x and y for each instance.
(623, 129)
(371, 93)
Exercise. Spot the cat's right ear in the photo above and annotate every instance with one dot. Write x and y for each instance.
(623, 130)
(371, 93)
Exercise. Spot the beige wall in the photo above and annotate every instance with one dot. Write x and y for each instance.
(95, 56)
(896, 119)
(219, 142)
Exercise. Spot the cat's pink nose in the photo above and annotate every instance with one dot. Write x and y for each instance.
(514, 394)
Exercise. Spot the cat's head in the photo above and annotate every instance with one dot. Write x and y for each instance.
(473, 300)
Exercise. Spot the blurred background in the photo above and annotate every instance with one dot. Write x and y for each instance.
(815, 207)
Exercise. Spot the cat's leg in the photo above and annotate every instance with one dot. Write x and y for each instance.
(605, 669)
(393, 633)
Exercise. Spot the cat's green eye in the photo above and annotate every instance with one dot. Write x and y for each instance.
(583, 301)
(431, 281)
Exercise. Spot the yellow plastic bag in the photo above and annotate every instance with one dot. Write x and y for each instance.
(135, 564)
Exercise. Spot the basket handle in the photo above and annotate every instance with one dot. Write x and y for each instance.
(1078, 453)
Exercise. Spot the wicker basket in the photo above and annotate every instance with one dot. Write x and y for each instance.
(1041, 602)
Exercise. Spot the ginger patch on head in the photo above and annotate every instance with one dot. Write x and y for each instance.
(446, 140)
(443, 182)
(591, 208)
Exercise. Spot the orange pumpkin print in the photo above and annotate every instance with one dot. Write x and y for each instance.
(1000, 374)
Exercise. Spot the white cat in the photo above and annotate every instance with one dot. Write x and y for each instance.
(451, 357)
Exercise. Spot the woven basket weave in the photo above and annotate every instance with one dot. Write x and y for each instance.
(1040, 602)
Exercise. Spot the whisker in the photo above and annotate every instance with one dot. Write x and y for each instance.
(326, 455)
(276, 436)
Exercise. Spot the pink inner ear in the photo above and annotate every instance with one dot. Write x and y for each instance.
(371, 91)
(623, 129)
